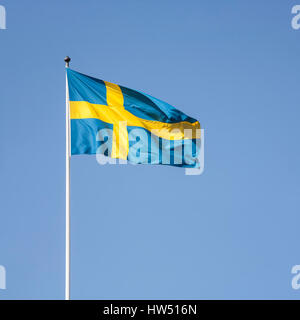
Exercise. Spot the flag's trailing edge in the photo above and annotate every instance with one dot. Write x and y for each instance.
(127, 124)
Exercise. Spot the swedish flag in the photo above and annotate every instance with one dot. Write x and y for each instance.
(127, 124)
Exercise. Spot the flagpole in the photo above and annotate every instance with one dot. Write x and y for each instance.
(67, 284)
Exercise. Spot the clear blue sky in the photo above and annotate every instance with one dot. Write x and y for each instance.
(142, 232)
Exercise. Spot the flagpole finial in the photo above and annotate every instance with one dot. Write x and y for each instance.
(67, 60)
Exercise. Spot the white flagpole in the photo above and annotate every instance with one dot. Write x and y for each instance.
(67, 285)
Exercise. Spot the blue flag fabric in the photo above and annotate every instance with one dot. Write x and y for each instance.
(127, 124)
